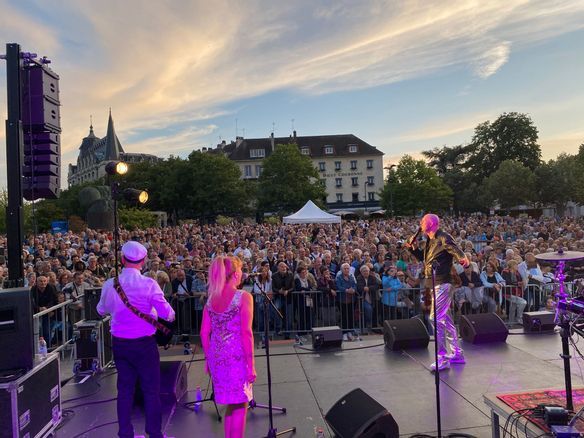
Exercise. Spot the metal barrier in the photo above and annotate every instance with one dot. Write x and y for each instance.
(55, 324)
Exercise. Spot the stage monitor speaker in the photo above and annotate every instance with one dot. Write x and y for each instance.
(357, 415)
(16, 331)
(327, 337)
(173, 383)
(405, 334)
(539, 321)
(483, 328)
(91, 297)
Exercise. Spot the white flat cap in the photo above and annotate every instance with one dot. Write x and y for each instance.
(134, 251)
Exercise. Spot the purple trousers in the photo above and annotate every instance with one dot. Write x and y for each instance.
(447, 334)
(138, 360)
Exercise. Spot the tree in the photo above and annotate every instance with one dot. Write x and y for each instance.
(447, 158)
(288, 180)
(513, 136)
(132, 218)
(558, 181)
(416, 187)
(511, 185)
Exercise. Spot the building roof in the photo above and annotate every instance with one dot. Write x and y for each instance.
(113, 147)
(316, 145)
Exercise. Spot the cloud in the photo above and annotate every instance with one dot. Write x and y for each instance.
(446, 127)
(492, 60)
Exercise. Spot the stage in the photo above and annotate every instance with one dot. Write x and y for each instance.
(309, 384)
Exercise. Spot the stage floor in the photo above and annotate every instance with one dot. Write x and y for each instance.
(309, 384)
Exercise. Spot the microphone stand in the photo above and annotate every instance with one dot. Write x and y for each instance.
(272, 432)
(437, 370)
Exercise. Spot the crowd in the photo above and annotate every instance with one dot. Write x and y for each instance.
(355, 276)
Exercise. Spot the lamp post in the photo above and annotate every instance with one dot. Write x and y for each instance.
(389, 169)
(365, 184)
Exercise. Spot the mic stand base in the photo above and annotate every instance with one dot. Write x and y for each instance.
(273, 433)
(253, 405)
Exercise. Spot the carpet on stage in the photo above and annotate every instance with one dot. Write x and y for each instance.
(529, 400)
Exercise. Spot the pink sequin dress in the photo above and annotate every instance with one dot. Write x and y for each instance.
(225, 356)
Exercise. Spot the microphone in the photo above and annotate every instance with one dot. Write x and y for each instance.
(414, 237)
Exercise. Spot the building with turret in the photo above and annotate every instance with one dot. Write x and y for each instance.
(95, 153)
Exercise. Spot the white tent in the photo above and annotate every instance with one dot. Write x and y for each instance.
(311, 214)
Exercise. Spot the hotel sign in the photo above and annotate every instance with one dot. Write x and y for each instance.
(336, 174)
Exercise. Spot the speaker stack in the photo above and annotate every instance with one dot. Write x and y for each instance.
(357, 415)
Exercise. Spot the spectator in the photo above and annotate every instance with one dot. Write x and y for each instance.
(493, 284)
(367, 290)
(282, 287)
(514, 292)
(346, 288)
(327, 298)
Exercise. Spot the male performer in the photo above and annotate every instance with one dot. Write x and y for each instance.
(438, 254)
(134, 346)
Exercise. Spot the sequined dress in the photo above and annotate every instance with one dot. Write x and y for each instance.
(225, 357)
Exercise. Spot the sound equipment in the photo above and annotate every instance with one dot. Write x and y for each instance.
(16, 331)
(173, 383)
(327, 337)
(483, 328)
(357, 415)
(93, 345)
(31, 405)
(91, 298)
(539, 321)
(405, 334)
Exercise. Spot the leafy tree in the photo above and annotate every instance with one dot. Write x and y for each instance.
(288, 180)
(558, 181)
(47, 211)
(511, 185)
(447, 158)
(132, 218)
(416, 187)
(513, 136)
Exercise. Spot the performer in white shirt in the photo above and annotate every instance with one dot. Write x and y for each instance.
(134, 345)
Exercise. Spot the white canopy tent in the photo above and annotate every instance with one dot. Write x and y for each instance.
(311, 214)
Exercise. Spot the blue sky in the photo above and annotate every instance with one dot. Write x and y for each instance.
(178, 74)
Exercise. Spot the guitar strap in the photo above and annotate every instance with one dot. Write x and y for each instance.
(148, 318)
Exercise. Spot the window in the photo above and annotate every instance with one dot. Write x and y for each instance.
(355, 197)
(337, 165)
(305, 151)
(257, 153)
(354, 181)
(352, 148)
(353, 164)
(338, 182)
(322, 166)
(339, 197)
(371, 196)
(370, 180)
(329, 150)
(258, 170)
(369, 164)
(323, 181)
(247, 171)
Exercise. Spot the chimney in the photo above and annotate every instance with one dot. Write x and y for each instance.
(272, 141)
(238, 141)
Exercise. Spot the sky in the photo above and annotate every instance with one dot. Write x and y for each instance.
(404, 76)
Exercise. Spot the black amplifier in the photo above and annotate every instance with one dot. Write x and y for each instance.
(93, 345)
(30, 406)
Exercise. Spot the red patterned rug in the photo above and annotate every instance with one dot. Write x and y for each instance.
(526, 400)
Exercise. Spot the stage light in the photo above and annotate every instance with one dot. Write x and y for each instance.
(116, 168)
(136, 195)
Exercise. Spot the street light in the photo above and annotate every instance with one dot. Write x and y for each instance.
(389, 169)
(365, 184)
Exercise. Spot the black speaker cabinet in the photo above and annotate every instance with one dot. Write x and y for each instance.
(16, 333)
(483, 328)
(539, 321)
(327, 337)
(357, 415)
(404, 334)
(91, 298)
(173, 383)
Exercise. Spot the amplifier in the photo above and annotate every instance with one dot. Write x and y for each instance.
(30, 406)
(327, 337)
(93, 345)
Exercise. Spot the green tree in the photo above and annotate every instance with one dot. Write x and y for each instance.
(416, 187)
(511, 185)
(558, 181)
(288, 180)
(132, 218)
(513, 136)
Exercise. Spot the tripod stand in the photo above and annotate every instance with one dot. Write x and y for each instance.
(272, 432)
(206, 399)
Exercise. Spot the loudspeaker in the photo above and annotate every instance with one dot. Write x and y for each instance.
(326, 337)
(539, 321)
(16, 331)
(357, 415)
(482, 328)
(404, 334)
(91, 298)
(173, 383)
